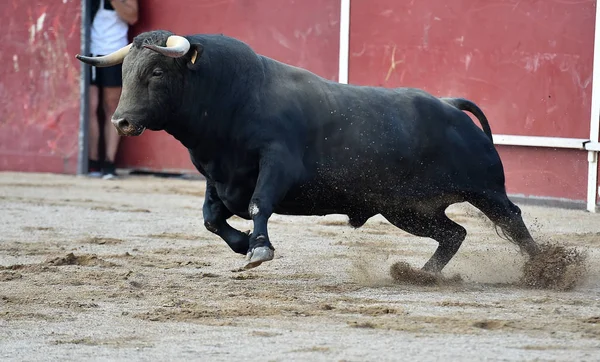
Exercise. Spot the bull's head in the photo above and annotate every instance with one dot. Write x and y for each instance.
(153, 80)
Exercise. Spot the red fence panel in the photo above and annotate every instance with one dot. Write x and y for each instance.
(39, 85)
(527, 63)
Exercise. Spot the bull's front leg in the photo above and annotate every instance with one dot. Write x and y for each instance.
(215, 220)
(278, 171)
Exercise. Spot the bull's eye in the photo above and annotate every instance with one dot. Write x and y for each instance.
(157, 72)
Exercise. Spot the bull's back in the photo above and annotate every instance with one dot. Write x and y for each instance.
(367, 143)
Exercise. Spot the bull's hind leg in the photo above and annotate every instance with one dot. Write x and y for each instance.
(502, 212)
(435, 225)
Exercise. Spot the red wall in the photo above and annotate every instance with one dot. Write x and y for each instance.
(545, 172)
(527, 63)
(303, 33)
(39, 85)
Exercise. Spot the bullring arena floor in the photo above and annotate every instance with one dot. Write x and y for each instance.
(124, 270)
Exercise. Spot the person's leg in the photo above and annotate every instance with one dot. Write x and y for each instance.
(94, 165)
(111, 93)
(111, 100)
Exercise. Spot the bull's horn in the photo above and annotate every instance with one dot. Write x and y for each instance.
(177, 46)
(106, 60)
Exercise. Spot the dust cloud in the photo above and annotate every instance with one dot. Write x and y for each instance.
(556, 267)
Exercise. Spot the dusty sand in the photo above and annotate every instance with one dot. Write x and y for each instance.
(124, 270)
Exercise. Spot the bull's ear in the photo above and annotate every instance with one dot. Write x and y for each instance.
(194, 54)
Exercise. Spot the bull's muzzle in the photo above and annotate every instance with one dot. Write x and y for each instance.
(126, 128)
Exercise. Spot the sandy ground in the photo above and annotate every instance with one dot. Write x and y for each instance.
(124, 270)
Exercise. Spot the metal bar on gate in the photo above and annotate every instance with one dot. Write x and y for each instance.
(538, 141)
(592, 192)
(593, 146)
(84, 82)
(344, 41)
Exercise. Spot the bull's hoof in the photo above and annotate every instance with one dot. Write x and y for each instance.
(257, 256)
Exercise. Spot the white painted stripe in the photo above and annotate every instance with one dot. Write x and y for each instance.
(536, 141)
(592, 146)
(567, 143)
(594, 121)
(344, 41)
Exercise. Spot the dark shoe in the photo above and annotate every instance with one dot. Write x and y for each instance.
(94, 168)
(109, 170)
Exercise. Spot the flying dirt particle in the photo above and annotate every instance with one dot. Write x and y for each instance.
(7, 276)
(592, 320)
(13, 267)
(173, 236)
(372, 311)
(403, 273)
(101, 240)
(138, 210)
(556, 267)
(203, 275)
(40, 228)
(104, 208)
(244, 276)
(355, 324)
(459, 304)
(313, 349)
(264, 334)
(489, 324)
(326, 307)
(82, 260)
(135, 284)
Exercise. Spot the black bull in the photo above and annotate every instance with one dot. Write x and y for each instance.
(273, 138)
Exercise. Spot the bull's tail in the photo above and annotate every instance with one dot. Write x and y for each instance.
(467, 105)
